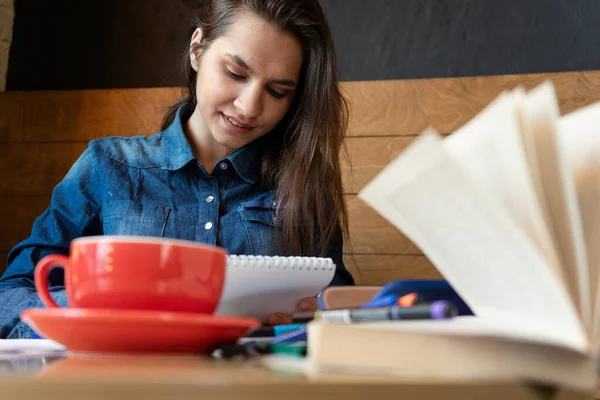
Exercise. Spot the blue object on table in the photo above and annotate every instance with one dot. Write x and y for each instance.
(381, 301)
(320, 304)
(294, 336)
(428, 291)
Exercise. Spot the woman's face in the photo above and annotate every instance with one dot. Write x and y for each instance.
(246, 82)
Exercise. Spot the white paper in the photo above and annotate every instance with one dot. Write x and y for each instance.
(490, 147)
(472, 240)
(19, 348)
(539, 118)
(580, 136)
(259, 286)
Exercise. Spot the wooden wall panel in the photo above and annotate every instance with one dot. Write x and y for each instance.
(395, 107)
(380, 269)
(81, 115)
(368, 156)
(17, 215)
(43, 133)
(404, 107)
(370, 233)
(33, 169)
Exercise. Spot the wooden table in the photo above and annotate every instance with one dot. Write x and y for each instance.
(171, 378)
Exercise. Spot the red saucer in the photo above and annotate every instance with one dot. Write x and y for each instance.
(124, 331)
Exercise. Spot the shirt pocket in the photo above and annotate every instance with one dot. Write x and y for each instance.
(132, 218)
(263, 227)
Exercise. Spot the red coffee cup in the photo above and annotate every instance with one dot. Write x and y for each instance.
(137, 273)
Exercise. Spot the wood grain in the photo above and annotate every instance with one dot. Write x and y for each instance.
(368, 156)
(82, 115)
(33, 169)
(380, 269)
(394, 107)
(17, 215)
(404, 107)
(369, 232)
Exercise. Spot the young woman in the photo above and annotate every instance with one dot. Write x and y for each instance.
(249, 160)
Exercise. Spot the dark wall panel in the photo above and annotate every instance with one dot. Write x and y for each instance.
(391, 39)
(72, 44)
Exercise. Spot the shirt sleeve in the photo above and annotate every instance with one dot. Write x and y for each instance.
(336, 253)
(72, 213)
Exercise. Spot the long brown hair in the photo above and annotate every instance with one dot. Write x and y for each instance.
(303, 154)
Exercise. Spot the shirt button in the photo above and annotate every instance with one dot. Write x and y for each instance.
(210, 199)
(223, 165)
(274, 204)
(208, 226)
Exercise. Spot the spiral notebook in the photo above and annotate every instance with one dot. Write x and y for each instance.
(257, 286)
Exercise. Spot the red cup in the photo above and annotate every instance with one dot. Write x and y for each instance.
(137, 273)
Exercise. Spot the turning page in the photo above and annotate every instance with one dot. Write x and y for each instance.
(580, 137)
(539, 117)
(490, 147)
(473, 241)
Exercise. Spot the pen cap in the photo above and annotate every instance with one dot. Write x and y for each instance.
(442, 309)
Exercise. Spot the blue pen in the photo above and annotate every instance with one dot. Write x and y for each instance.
(294, 336)
(277, 330)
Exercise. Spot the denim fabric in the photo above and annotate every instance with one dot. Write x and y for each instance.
(148, 186)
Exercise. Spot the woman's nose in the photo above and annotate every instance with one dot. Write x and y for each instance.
(249, 102)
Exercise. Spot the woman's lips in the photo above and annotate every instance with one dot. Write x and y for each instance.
(235, 125)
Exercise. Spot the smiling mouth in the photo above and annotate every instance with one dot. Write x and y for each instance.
(237, 124)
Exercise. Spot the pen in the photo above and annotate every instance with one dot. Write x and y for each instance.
(294, 336)
(440, 309)
(275, 330)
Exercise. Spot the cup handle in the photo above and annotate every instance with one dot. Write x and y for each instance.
(42, 269)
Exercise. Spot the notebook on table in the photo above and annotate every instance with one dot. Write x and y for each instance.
(257, 286)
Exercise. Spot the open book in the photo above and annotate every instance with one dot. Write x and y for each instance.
(507, 208)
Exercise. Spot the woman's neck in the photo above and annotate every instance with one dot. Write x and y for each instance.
(203, 144)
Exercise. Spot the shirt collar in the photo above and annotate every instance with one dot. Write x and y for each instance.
(176, 149)
(178, 152)
(246, 161)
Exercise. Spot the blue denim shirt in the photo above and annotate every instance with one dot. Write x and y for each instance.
(152, 186)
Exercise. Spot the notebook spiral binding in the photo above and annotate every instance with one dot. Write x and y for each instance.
(281, 263)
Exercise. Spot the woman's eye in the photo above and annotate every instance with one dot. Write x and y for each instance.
(275, 93)
(233, 76)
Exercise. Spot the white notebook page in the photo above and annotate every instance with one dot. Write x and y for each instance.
(257, 286)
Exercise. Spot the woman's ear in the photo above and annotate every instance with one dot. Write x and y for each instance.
(195, 47)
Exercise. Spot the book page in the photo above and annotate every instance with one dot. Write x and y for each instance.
(580, 137)
(472, 240)
(539, 115)
(475, 326)
(490, 147)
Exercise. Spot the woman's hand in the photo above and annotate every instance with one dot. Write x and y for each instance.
(308, 304)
